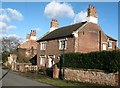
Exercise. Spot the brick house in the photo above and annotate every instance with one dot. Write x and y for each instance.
(79, 37)
(27, 49)
(30, 45)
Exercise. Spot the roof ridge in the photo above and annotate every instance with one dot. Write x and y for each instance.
(59, 29)
(43, 35)
(72, 24)
(61, 32)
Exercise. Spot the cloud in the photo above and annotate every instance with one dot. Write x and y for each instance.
(4, 27)
(10, 15)
(80, 17)
(6, 16)
(14, 14)
(57, 10)
(37, 29)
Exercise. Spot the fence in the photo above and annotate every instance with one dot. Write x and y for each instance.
(24, 67)
(31, 68)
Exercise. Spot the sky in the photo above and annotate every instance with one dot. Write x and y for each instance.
(19, 18)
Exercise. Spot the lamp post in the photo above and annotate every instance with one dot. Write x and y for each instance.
(63, 46)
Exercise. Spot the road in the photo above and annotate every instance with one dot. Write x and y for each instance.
(12, 79)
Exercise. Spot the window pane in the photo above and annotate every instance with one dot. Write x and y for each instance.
(104, 47)
(42, 61)
(109, 44)
(62, 44)
(42, 46)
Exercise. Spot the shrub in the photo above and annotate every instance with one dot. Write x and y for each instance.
(5, 56)
(109, 61)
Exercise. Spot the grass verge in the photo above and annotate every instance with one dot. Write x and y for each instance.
(70, 84)
(56, 82)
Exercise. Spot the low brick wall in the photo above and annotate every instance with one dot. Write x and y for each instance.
(31, 68)
(92, 76)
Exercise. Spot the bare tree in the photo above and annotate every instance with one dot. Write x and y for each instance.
(9, 43)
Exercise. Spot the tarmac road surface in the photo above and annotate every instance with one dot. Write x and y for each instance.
(12, 79)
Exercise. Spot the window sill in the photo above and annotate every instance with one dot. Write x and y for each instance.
(42, 50)
(109, 47)
(62, 49)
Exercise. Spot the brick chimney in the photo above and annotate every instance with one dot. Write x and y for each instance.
(33, 35)
(28, 37)
(53, 25)
(91, 14)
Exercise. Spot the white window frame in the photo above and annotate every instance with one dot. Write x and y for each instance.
(49, 60)
(60, 44)
(41, 60)
(109, 43)
(104, 46)
(42, 45)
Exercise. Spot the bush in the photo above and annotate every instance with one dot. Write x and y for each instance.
(109, 61)
(5, 56)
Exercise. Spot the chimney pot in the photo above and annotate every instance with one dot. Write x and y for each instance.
(91, 11)
(91, 14)
(53, 24)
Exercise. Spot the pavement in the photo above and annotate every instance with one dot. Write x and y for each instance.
(12, 79)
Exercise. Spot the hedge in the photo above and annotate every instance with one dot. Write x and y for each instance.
(109, 61)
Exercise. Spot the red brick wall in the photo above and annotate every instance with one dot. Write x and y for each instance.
(88, 39)
(24, 54)
(52, 48)
(92, 76)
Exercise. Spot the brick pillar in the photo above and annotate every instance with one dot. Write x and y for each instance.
(55, 72)
(76, 44)
(117, 79)
(22, 68)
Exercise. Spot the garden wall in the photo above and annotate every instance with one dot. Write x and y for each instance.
(92, 76)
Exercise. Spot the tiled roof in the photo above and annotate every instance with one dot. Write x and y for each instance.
(61, 32)
(29, 44)
(66, 31)
(111, 38)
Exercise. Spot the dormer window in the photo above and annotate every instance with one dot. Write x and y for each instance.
(42, 46)
(109, 44)
(62, 44)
